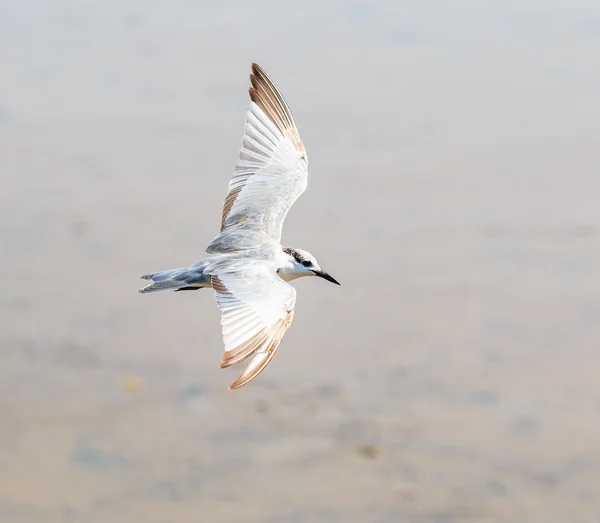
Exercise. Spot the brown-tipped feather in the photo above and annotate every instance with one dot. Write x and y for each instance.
(217, 284)
(228, 204)
(264, 355)
(264, 352)
(240, 353)
(264, 94)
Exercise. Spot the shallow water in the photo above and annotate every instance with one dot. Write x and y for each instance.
(454, 193)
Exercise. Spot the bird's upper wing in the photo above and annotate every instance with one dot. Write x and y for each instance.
(257, 308)
(270, 175)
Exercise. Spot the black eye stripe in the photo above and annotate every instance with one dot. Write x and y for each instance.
(297, 256)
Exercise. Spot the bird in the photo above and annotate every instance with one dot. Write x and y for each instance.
(247, 267)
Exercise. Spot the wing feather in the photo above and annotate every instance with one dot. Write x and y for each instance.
(257, 308)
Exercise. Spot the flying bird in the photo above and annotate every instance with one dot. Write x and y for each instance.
(246, 266)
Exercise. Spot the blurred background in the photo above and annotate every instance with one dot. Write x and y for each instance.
(454, 192)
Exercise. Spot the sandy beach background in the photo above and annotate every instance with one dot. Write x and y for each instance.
(454, 192)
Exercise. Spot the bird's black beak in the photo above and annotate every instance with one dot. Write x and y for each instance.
(325, 276)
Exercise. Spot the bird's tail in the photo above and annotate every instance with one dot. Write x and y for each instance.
(184, 279)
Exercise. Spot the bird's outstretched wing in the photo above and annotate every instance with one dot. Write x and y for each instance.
(270, 175)
(257, 308)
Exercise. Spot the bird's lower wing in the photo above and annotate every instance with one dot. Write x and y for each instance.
(257, 308)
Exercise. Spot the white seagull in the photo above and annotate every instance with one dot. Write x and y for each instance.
(247, 267)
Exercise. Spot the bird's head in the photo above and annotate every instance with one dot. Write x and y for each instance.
(302, 263)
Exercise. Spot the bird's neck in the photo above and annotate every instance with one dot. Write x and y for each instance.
(289, 273)
(288, 268)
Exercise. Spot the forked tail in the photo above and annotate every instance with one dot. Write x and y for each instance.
(184, 279)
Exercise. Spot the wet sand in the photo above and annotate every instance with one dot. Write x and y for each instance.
(454, 193)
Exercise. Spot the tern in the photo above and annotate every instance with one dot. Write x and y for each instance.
(246, 266)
